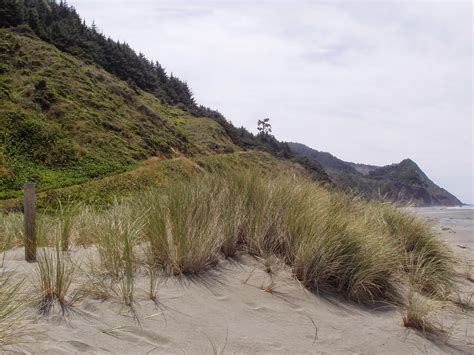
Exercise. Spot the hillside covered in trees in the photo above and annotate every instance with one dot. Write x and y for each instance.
(404, 182)
(117, 108)
(59, 132)
(59, 24)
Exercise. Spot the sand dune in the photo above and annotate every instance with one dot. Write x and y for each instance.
(227, 309)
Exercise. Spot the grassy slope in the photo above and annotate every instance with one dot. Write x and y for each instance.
(63, 122)
(156, 172)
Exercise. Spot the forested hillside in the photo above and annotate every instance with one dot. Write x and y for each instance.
(63, 121)
(59, 24)
(76, 105)
(403, 183)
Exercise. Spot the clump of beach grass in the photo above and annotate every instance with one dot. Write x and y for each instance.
(11, 230)
(12, 306)
(331, 240)
(54, 274)
(339, 248)
(420, 312)
(153, 281)
(117, 235)
(428, 262)
(183, 230)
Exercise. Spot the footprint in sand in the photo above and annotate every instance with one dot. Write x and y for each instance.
(221, 297)
(254, 307)
(80, 346)
(141, 336)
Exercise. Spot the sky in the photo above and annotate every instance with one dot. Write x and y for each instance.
(371, 82)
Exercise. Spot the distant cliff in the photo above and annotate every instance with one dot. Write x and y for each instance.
(404, 183)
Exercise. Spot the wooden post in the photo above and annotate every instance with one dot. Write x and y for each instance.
(29, 205)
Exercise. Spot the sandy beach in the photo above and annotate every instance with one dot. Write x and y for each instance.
(455, 225)
(240, 308)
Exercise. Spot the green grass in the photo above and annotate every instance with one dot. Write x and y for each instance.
(331, 240)
(54, 274)
(156, 173)
(12, 306)
(183, 226)
(60, 133)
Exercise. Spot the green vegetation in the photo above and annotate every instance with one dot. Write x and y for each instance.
(331, 240)
(59, 133)
(12, 307)
(403, 183)
(419, 314)
(60, 25)
(127, 166)
(365, 251)
(54, 275)
(157, 173)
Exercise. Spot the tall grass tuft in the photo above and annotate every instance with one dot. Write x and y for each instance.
(331, 240)
(11, 230)
(183, 229)
(427, 260)
(66, 215)
(12, 306)
(334, 245)
(232, 216)
(419, 313)
(117, 235)
(54, 274)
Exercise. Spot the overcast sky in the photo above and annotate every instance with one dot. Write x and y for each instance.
(371, 82)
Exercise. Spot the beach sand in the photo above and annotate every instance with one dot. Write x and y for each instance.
(227, 309)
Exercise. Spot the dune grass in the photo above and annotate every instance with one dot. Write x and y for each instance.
(12, 306)
(11, 230)
(419, 313)
(427, 260)
(183, 226)
(330, 240)
(54, 274)
(117, 234)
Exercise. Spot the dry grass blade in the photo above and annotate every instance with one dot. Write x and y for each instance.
(183, 229)
(12, 306)
(54, 274)
(420, 312)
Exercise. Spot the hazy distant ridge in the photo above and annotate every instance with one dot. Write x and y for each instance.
(402, 182)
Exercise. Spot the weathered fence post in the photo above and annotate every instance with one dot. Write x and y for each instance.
(29, 205)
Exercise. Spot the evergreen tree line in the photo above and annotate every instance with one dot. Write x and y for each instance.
(59, 24)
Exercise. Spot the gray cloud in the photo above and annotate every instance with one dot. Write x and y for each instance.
(371, 82)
